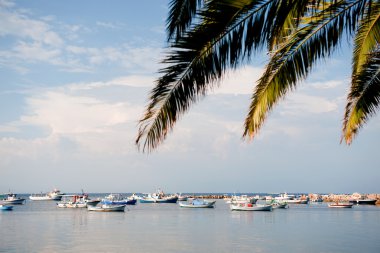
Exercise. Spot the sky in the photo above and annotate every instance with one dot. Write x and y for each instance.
(74, 81)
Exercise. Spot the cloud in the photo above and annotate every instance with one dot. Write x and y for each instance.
(297, 104)
(70, 114)
(327, 84)
(19, 25)
(240, 81)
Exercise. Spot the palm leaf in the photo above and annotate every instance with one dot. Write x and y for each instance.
(367, 38)
(364, 96)
(228, 32)
(292, 62)
(181, 15)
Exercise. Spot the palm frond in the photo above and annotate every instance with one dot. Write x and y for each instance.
(229, 31)
(181, 15)
(293, 61)
(364, 96)
(367, 38)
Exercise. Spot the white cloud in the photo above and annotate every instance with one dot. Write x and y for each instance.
(297, 103)
(327, 84)
(68, 114)
(241, 81)
(20, 25)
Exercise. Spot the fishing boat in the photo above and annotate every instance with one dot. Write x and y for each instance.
(118, 199)
(363, 201)
(159, 197)
(72, 201)
(250, 207)
(6, 207)
(107, 208)
(341, 205)
(241, 199)
(197, 203)
(278, 204)
(182, 197)
(53, 195)
(12, 199)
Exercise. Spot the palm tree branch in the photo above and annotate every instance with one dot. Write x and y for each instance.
(367, 37)
(364, 96)
(186, 78)
(293, 61)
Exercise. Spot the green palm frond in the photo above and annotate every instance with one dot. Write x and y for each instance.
(228, 33)
(364, 96)
(367, 38)
(293, 61)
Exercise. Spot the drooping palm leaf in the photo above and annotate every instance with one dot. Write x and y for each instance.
(367, 38)
(292, 63)
(229, 31)
(181, 15)
(364, 96)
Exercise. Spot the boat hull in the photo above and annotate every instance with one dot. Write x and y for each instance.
(363, 201)
(341, 205)
(6, 208)
(205, 205)
(251, 208)
(107, 208)
(121, 202)
(164, 200)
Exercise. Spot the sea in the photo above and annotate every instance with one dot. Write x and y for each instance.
(40, 226)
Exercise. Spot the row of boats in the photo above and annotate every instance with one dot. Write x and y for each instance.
(117, 202)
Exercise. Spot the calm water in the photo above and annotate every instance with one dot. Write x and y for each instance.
(42, 227)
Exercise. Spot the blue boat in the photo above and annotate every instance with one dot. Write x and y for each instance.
(198, 203)
(6, 208)
(118, 199)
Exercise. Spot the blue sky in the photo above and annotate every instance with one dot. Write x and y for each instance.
(75, 77)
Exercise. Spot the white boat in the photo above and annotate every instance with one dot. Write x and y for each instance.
(241, 199)
(107, 208)
(250, 207)
(72, 201)
(12, 199)
(197, 203)
(341, 205)
(39, 196)
(53, 195)
(278, 204)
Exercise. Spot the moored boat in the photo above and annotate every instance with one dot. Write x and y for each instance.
(118, 199)
(6, 207)
(197, 203)
(53, 195)
(12, 199)
(250, 207)
(159, 197)
(241, 199)
(363, 201)
(107, 208)
(341, 205)
(278, 204)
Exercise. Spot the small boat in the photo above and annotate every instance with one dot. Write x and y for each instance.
(182, 197)
(341, 205)
(250, 207)
(72, 201)
(363, 201)
(198, 203)
(159, 197)
(53, 195)
(118, 199)
(276, 204)
(6, 207)
(241, 199)
(12, 199)
(107, 208)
